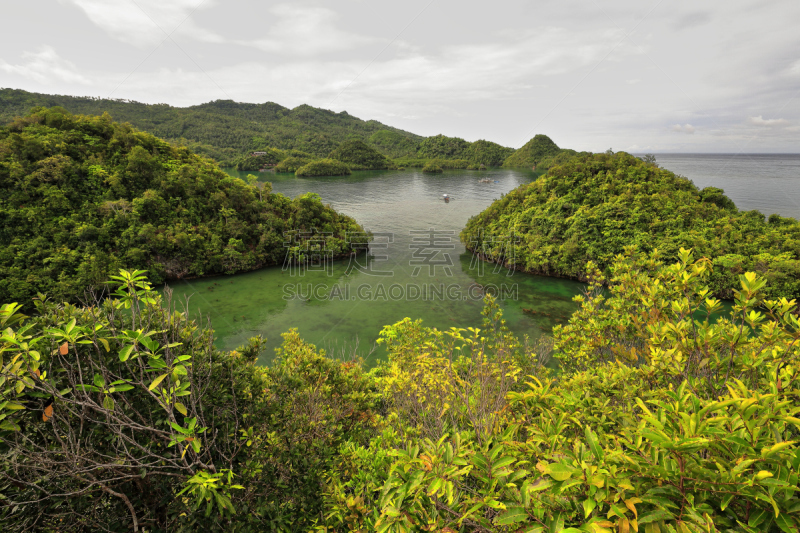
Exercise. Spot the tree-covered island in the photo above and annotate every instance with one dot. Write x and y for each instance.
(84, 196)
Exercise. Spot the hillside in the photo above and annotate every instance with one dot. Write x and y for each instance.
(223, 129)
(487, 153)
(82, 196)
(539, 153)
(358, 155)
(393, 144)
(455, 148)
(595, 205)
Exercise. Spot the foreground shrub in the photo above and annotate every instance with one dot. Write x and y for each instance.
(108, 411)
(123, 416)
(661, 442)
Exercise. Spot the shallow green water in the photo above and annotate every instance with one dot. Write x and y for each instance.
(427, 275)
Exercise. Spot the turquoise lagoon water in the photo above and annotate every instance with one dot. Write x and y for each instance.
(419, 268)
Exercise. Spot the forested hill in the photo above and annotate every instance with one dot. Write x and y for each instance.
(82, 196)
(224, 129)
(595, 205)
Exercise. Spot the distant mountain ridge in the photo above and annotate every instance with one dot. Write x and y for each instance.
(224, 129)
(229, 131)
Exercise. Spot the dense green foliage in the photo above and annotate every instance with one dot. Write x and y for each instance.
(223, 129)
(394, 144)
(292, 163)
(84, 196)
(593, 206)
(487, 153)
(443, 147)
(358, 155)
(124, 415)
(448, 164)
(323, 167)
(257, 162)
(538, 153)
(454, 148)
(432, 168)
(662, 420)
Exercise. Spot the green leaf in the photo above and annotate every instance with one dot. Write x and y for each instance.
(558, 471)
(99, 381)
(181, 408)
(511, 515)
(726, 501)
(594, 446)
(502, 462)
(470, 512)
(556, 524)
(787, 523)
(588, 506)
(125, 353)
(180, 429)
(156, 381)
(655, 516)
(757, 517)
(108, 402)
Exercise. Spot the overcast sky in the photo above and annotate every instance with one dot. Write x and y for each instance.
(656, 76)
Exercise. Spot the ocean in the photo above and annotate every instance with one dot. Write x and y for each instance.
(769, 183)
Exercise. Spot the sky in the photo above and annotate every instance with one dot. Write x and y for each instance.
(641, 76)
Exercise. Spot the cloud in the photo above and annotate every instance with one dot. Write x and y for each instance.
(46, 67)
(686, 128)
(144, 22)
(469, 72)
(767, 122)
(300, 30)
(692, 20)
(408, 85)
